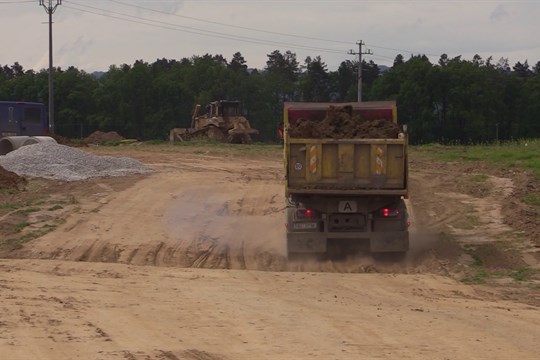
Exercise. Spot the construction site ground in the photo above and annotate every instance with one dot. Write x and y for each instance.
(189, 263)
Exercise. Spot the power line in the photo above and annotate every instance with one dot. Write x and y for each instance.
(230, 25)
(383, 57)
(204, 32)
(401, 50)
(260, 30)
(219, 34)
(236, 37)
(188, 29)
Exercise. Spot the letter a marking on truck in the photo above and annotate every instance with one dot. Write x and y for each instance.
(347, 206)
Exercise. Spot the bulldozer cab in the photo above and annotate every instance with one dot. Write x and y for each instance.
(224, 108)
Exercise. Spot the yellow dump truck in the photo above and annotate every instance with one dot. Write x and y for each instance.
(346, 178)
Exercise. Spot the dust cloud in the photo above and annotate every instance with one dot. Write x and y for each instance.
(230, 230)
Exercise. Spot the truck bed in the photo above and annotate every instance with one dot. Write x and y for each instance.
(350, 166)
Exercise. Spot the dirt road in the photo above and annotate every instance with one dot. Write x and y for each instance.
(189, 263)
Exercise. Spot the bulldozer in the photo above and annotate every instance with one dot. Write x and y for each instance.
(221, 122)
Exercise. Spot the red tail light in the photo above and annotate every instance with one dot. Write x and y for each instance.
(388, 212)
(305, 214)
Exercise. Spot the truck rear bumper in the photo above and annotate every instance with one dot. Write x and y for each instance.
(313, 242)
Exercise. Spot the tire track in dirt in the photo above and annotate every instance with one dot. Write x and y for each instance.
(230, 214)
(180, 218)
(471, 219)
(192, 224)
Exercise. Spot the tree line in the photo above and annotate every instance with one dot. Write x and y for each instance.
(452, 101)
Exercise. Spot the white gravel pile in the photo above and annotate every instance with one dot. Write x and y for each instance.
(60, 162)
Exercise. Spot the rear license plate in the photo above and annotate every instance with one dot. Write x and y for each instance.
(305, 226)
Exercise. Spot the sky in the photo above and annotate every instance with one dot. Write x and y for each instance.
(92, 35)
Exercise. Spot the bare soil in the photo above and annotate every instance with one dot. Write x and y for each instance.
(10, 180)
(189, 263)
(339, 123)
(99, 137)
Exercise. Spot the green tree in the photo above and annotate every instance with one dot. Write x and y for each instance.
(370, 73)
(238, 63)
(315, 81)
(345, 80)
(74, 102)
(398, 60)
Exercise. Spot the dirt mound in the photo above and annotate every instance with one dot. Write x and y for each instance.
(65, 141)
(10, 180)
(99, 137)
(340, 123)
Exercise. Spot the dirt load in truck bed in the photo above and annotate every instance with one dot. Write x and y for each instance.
(340, 123)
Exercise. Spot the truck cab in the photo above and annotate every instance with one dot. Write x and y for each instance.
(22, 119)
(22, 123)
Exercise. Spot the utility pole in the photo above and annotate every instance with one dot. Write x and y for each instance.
(360, 53)
(50, 9)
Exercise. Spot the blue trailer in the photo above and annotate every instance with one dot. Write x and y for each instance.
(22, 123)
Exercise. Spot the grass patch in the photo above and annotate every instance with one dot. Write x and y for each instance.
(55, 207)
(109, 143)
(524, 154)
(156, 142)
(8, 191)
(71, 200)
(207, 148)
(481, 273)
(478, 277)
(524, 274)
(15, 205)
(468, 222)
(212, 148)
(20, 226)
(27, 211)
(8, 206)
(533, 199)
(478, 178)
(18, 242)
